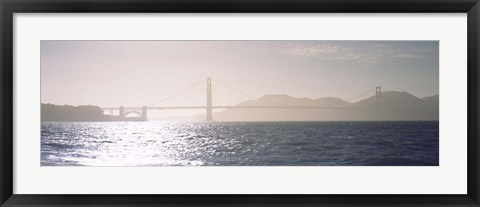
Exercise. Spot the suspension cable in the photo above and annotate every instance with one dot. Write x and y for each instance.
(176, 94)
(362, 94)
(245, 94)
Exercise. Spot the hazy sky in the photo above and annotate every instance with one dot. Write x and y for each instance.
(136, 73)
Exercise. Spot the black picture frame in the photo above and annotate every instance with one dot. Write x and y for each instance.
(9, 7)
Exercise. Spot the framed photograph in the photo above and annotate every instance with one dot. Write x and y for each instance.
(233, 103)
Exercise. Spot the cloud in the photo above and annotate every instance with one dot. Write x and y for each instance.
(350, 54)
(408, 56)
(330, 52)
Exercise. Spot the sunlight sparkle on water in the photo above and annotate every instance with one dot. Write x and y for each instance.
(239, 143)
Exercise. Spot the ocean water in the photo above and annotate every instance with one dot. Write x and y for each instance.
(389, 143)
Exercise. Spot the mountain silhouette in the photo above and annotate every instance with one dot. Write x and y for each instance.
(67, 113)
(432, 101)
(285, 100)
(393, 105)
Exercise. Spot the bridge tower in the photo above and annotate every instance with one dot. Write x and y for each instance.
(209, 99)
(378, 95)
(121, 112)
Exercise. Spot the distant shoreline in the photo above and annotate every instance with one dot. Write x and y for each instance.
(82, 113)
(393, 106)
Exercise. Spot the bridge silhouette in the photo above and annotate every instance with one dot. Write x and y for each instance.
(142, 111)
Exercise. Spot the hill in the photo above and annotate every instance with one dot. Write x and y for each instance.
(67, 113)
(432, 101)
(393, 105)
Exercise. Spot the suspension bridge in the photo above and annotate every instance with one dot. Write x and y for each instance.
(195, 99)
